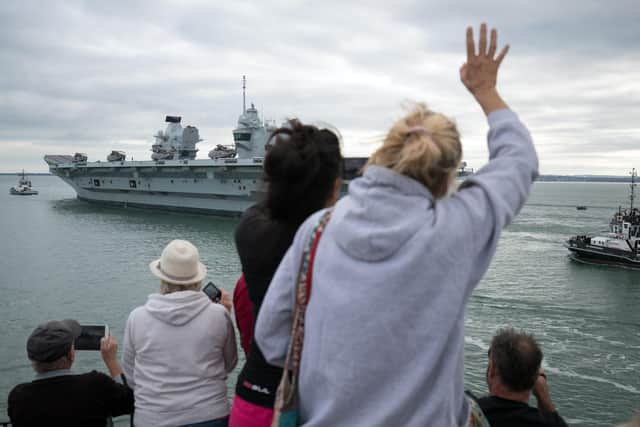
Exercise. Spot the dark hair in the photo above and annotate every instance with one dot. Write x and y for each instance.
(517, 357)
(301, 168)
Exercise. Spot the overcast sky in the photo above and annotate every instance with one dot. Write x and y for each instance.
(92, 76)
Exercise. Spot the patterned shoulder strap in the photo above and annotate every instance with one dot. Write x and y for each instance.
(303, 292)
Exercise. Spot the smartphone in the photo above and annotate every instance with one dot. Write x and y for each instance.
(212, 292)
(90, 337)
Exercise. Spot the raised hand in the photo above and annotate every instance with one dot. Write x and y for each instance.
(109, 351)
(109, 348)
(480, 73)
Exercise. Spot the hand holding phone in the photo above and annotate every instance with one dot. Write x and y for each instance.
(212, 292)
(226, 300)
(109, 348)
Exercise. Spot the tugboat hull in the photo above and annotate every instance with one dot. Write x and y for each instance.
(22, 193)
(600, 256)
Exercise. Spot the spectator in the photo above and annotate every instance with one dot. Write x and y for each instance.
(179, 347)
(302, 171)
(396, 264)
(59, 397)
(513, 374)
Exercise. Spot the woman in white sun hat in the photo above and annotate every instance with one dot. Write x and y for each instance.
(179, 347)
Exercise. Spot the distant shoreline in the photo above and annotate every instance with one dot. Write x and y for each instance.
(541, 178)
(26, 173)
(583, 178)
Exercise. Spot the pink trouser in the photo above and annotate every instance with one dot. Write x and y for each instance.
(245, 414)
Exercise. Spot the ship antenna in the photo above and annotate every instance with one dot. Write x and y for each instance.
(244, 87)
(633, 186)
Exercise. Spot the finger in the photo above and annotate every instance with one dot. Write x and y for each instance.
(483, 40)
(502, 54)
(493, 43)
(471, 50)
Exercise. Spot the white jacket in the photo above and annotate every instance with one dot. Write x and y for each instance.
(177, 351)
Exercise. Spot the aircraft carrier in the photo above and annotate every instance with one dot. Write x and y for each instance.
(226, 183)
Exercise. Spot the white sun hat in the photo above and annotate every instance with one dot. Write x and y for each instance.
(179, 264)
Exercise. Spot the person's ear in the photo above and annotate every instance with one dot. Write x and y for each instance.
(491, 369)
(491, 374)
(72, 354)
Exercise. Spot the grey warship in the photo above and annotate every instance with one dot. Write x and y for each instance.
(226, 183)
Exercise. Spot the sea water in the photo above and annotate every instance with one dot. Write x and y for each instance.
(64, 258)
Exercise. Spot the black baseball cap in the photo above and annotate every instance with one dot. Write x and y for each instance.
(52, 340)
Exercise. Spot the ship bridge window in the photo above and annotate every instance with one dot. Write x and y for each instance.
(241, 136)
(132, 183)
(96, 182)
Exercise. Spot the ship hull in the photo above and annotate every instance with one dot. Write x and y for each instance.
(225, 187)
(211, 187)
(603, 256)
(15, 192)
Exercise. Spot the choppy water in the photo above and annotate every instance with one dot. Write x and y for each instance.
(60, 257)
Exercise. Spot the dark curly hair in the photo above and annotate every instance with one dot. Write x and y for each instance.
(517, 358)
(301, 168)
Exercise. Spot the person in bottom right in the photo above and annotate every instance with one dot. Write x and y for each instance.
(513, 374)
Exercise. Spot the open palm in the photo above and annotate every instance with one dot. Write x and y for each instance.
(479, 74)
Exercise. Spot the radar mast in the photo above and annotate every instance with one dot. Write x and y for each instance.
(632, 196)
(244, 87)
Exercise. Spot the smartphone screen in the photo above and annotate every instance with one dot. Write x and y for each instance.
(212, 292)
(90, 337)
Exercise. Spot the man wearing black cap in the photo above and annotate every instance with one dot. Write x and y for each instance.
(57, 396)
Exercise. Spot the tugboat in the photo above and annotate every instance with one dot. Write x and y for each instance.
(23, 188)
(620, 247)
(464, 171)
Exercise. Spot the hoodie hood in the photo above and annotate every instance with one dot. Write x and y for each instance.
(381, 212)
(177, 308)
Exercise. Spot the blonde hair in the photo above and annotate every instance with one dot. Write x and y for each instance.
(425, 146)
(168, 288)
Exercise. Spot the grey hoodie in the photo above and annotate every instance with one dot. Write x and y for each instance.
(384, 331)
(177, 351)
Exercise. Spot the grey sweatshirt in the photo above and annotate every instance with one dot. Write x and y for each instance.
(384, 332)
(177, 351)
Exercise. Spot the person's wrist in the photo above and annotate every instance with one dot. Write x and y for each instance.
(486, 95)
(489, 100)
(109, 360)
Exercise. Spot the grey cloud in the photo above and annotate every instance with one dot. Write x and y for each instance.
(102, 73)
